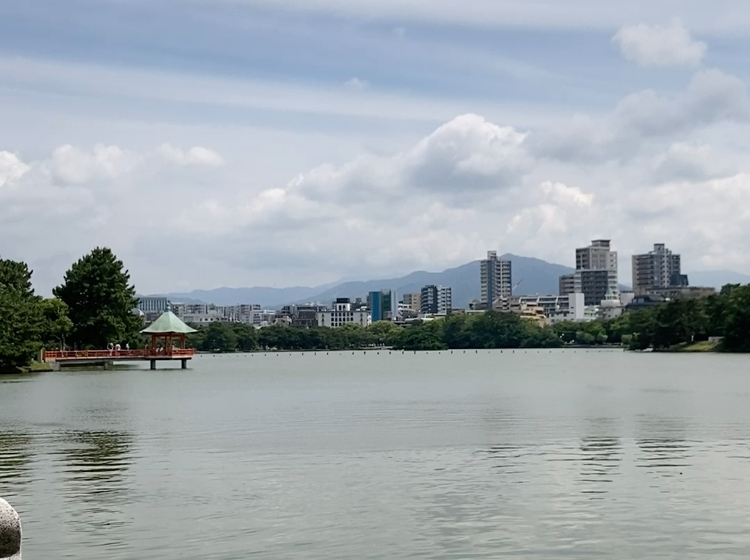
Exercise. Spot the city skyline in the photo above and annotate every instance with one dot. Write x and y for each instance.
(260, 143)
(625, 276)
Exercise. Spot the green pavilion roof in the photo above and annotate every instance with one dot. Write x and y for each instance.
(168, 323)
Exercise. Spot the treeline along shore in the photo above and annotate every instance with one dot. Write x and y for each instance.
(724, 316)
(94, 306)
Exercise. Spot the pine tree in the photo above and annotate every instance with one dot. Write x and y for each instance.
(100, 301)
(20, 316)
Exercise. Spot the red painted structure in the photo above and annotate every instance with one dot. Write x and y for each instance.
(140, 354)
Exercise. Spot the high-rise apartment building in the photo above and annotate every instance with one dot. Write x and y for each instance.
(659, 268)
(597, 256)
(436, 300)
(495, 279)
(380, 305)
(596, 273)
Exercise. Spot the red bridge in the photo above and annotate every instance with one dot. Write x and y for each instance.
(105, 357)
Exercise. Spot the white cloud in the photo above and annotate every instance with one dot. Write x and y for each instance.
(11, 167)
(659, 45)
(711, 97)
(75, 166)
(464, 156)
(197, 155)
(356, 84)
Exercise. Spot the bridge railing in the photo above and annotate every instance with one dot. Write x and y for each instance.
(55, 355)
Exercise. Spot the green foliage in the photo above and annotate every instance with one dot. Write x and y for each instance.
(679, 322)
(736, 319)
(100, 300)
(427, 335)
(383, 332)
(15, 277)
(220, 338)
(487, 330)
(56, 325)
(20, 317)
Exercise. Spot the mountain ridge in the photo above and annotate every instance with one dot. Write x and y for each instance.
(536, 275)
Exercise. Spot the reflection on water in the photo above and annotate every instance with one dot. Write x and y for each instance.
(664, 456)
(94, 468)
(506, 458)
(664, 449)
(599, 461)
(600, 455)
(15, 461)
(96, 463)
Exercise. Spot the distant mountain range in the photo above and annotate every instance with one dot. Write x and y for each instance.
(533, 276)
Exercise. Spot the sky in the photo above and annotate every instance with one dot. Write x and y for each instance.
(297, 142)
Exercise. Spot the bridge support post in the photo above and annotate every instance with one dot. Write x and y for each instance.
(184, 364)
(10, 532)
(153, 364)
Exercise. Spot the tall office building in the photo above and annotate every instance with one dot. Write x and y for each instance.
(380, 305)
(436, 300)
(596, 273)
(495, 279)
(659, 268)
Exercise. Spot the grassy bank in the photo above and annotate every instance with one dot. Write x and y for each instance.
(702, 346)
(34, 367)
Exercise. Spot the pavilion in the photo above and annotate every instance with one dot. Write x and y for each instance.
(172, 330)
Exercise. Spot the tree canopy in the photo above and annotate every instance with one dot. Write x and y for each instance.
(20, 316)
(100, 301)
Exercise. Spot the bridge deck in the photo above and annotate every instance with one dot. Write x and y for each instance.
(84, 356)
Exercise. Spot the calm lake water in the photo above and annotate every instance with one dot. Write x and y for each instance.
(435, 455)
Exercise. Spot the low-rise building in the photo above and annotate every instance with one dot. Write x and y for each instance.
(551, 304)
(577, 310)
(343, 313)
(530, 311)
(611, 306)
(645, 301)
(405, 311)
(305, 316)
(683, 292)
